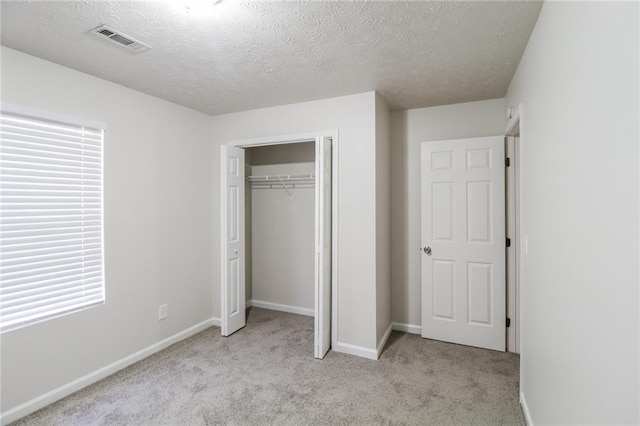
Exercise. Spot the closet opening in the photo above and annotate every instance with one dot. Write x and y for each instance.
(280, 227)
(277, 231)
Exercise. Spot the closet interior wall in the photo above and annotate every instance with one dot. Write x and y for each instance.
(280, 229)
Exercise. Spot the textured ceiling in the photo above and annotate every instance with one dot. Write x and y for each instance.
(249, 54)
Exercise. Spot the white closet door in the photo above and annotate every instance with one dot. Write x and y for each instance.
(322, 338)
(233, 246)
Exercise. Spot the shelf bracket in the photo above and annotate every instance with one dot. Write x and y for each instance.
(284, 186)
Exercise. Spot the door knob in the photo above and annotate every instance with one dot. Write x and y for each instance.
(235, 251)
(427, 250)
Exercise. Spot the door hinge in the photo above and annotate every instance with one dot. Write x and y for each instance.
(508, 242)
(508, 322)
(507, 162)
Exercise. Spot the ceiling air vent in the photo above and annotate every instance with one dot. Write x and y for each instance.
(121, 39)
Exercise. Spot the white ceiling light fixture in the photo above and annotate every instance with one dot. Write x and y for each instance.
(199, 7)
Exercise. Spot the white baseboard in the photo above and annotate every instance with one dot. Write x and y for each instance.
(407, 328)
(383, 341)
(525, 410)
(281, 308)
(84, 381)
(355, 350)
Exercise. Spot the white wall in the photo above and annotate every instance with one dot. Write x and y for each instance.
(383, 220)
(283, 228)
(157, 191)
(578, 81)
(409, 129)
(354, 119)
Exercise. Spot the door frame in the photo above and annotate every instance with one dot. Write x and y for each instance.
(301, 138)
(515, 262)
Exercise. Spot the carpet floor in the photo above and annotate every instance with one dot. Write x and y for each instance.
(266, 374)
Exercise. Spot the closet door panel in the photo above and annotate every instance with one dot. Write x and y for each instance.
(323, 248)
(233, 241)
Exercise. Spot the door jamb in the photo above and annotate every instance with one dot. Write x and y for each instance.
(311, 137)
(518, 246)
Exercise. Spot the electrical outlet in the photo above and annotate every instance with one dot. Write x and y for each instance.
(163, 311)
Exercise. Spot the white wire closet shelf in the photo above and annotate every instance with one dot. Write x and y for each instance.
(282, 178)
(281, 181)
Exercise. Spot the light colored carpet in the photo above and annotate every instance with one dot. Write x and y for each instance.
(266, 374)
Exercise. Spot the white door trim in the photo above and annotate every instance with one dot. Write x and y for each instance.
(515, 126)
(283, 139)
(300, 138)
(515, 203)
(512, 251)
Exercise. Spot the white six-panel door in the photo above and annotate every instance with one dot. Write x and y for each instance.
(233, 247)
(463, 237)
(322, 326)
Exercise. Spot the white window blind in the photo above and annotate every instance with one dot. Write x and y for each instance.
(51, 227)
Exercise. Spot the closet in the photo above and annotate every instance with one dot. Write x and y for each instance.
(277, 230)
(280, 227)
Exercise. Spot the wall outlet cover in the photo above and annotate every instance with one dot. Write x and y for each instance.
(163, 311)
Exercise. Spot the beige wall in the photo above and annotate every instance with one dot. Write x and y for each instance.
(409, 129)
(157, 218)
(383, 219)
(578, 81)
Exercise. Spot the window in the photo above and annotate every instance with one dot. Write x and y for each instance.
(51, 250)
